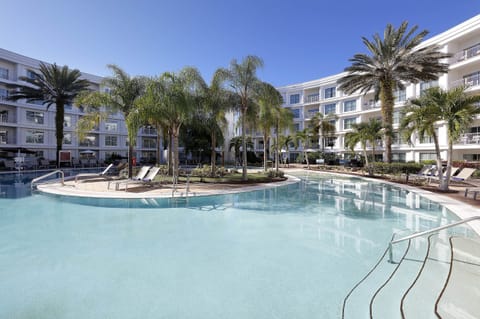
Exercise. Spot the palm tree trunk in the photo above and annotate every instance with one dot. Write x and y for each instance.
(130, 159)
(170, 152)
(439, 161)
(244, 146)
(265, 137)
(59, 119)
(277, 155)
(157, 127)
(388, 101)
(367, 164)
(176, 131)
(445, 182)
(213, 155)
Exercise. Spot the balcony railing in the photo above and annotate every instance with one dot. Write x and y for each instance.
(466, 54)
(469, 138)
(149, 131)
(469, 81)
(312, 98)
(371, 105)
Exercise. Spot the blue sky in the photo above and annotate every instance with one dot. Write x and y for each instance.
(298, 40)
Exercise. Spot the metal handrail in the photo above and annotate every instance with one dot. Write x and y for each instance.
(426, 232)
(48, 175)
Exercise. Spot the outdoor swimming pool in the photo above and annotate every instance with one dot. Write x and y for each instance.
(287, 252)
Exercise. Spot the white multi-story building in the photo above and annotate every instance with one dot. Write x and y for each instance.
(32, 127)
(322, 95)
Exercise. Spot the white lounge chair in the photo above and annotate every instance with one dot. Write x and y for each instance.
(147, 180)
(102, 174)
(464, 174)
(140, 175)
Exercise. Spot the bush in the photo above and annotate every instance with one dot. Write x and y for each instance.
(272, 173)
(395, 168)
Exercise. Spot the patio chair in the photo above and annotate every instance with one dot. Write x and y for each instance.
(474, 190)
(425, 172)
(147, 180)
(140, 175)
(102, 174)
(464, 174)
(453, 171)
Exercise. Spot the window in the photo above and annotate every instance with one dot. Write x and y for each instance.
(397, 117)
(39, 154)
(349, 106)
(296, 127)
(466, 157)
(398, 138)
(111, 140)
(427, 156)
(111, 126)
(34, 137)
(149, 143)
(296, 113)
(347, 123)
(400, 95)
(31, 75)
(4, 116)
(67, 138)
(312, 112)
(3, 137)
(89, 140)
(330, 108)
(294, 98)
(4, 73)
(35, 117)
(330, 92)
(3, 94)
(427, 139)
(398, 157)
(427, 85)
(330, 141)
(472, 79)
(67, 121)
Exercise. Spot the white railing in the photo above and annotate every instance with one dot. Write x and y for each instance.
(62, 177)
(466, 54)
(469, 138)
(312, 98)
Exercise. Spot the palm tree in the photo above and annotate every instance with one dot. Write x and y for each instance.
(393, 61)
(243, 79)
(363, 133)
(236, 143)
(269, 100)
(283, 120)
(457, 109)
(285, 141)
(323, 126)
(53, 85)
(216, 102)
(303, 137)
(121, 97)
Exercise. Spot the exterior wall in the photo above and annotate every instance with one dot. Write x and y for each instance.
(17, 123)
(462, 41)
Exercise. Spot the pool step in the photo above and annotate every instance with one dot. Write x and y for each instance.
(419, 300)
(461, 294)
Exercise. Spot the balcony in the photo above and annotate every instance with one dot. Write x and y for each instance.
(469, 138)
(469, 81)
(148, 131)
(371, 105)
(466, 54)
(312, 98)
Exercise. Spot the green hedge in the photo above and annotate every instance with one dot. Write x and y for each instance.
(396, 168)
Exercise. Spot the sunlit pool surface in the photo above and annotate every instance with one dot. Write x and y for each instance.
(287, 252)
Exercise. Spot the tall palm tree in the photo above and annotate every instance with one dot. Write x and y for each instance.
(363, 133)
(393, 61)
(323, 126)
(236, 143)
(123, 92)
(269, 100)
(216, 101)
(303, 137)
(53, 85)
(285, 141)
(455, 107)
(244, 80)
(283, 120)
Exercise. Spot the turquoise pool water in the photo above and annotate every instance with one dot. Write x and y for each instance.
(288, 252)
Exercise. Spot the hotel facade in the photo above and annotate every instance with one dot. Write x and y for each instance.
(322, 95)
(31, 126)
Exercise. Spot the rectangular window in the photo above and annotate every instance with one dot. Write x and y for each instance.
(111, 126)
(397, 117)
(4, 73)
(111, 140)
(397, 138)
(296, 127)
(427, 139)
(31, 75)
(347, 123)
(149, 143)
(89, 141)
(427, 156)
(313, 98)
(468, 157)
(427, 85)
(472, 79)
(398, 157)
(296, 113)
(312, 112)
(294, 98)
(3, 94)
(67, 121)
(330, 108)
(400, 95)
(4, 116)
(67, 138)
(34, 137)
(330, 92)
(35, 117)
(3, 137)
(330, 141)
(349, 106)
